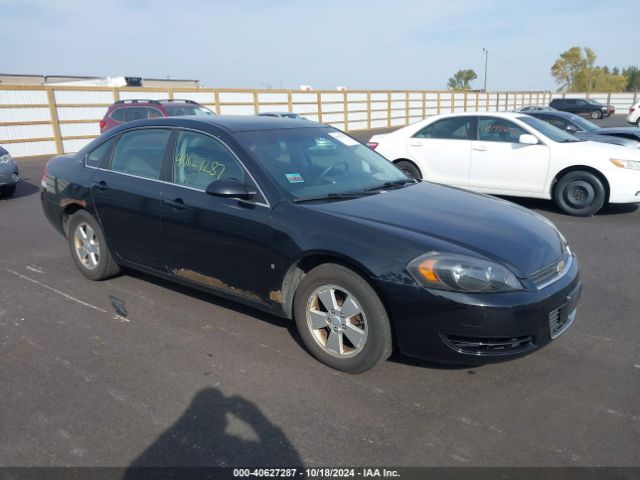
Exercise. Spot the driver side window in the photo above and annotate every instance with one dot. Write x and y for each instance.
(491, 129)
(201, 159)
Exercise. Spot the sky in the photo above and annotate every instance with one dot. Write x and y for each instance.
(360, 44)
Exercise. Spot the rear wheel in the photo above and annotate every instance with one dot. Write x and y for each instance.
(596, 114)
(341, 319)
(89, 249)
(579, 193)
(409, 169)
(8, 190)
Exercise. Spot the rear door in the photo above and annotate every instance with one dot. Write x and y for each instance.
(500, 163)
(127, 196)
(443, 150)
(223, 243)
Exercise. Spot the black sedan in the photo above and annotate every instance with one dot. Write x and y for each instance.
(363, 258)
(583, 128)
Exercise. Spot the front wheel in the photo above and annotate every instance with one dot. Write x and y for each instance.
(596, 114)
(580, 194)
(341, 319)
(89, 249)
(409, 169)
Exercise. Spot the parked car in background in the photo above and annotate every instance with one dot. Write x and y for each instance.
(291, 115)
(362, 258)
(582, 106)
(515, 154)
(9, 173)
(583, 128)
(138, 109)
(634, 114)
(536, 108)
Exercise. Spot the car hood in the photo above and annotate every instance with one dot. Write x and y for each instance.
(600, 149)
(470, 223)
(606, 139)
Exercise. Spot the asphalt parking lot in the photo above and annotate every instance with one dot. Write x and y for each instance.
(190, 379)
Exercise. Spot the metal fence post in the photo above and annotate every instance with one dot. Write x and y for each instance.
(388, 109)
(319, 103)
(369, 110)
(346, 112)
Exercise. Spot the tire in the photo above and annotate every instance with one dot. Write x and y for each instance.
(596, 114)
(409, 169)
(89, 249)
(8, 190)
(362, 339)
(581, 194)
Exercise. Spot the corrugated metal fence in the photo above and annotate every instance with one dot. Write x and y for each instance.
(40, 120)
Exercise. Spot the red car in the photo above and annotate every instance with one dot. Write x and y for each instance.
(137, 109)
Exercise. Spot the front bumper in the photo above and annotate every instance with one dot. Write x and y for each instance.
(624, 185)
(9, 174)
(476, 329)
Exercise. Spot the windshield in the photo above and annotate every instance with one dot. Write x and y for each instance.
(584, 124)
(319, 162)
(181, 111)
(548, 130)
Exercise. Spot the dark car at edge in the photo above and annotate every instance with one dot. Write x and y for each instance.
(587, 130)
(362, 258)
(583, 107)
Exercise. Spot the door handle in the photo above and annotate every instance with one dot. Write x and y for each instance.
(415, 144)
(479, 148)
(101, 185)
(177, 204)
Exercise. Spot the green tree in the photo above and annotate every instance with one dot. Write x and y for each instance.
(573, 66)
(461, 80)
(633, 78)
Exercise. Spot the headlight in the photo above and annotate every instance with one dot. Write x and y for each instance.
(632, 164)
(6, 158)
(460, 273)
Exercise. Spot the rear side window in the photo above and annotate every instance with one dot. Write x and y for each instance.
(454, 128)
(140, 152)
(97, 157)
(141, 113)
(200, 160)
(118, 114)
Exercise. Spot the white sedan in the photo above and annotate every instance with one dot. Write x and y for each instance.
(514, 154)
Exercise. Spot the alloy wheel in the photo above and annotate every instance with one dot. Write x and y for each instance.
(337, 321)
(86, 245)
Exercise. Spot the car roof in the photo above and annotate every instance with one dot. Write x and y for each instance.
(231, 123)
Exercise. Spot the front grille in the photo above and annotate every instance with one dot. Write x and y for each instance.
(547, 275)
(490, 346)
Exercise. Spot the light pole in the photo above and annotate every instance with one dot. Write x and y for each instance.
(486, 57)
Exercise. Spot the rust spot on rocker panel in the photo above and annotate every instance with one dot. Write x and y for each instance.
(213, 282)
(276, 296)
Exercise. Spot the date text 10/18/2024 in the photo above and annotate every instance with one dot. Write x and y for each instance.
(316, 472)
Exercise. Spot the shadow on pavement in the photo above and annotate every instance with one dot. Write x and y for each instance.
(23, 189)
(549, 206)
(217, 431)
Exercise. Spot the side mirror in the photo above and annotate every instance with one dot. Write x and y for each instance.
(571, 128)
(528, 139)
(230, 188)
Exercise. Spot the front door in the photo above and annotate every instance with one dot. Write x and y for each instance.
(500, 163)
(127, 196)
(222, 243)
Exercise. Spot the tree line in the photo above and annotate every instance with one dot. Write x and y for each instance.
(575, 70)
